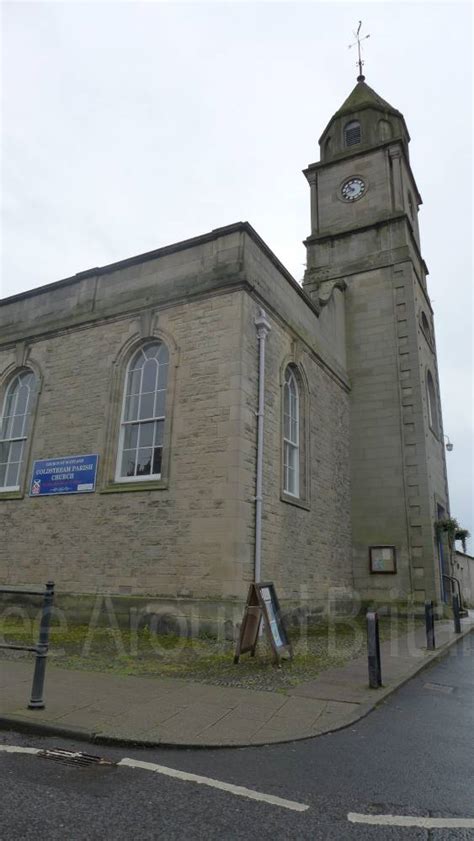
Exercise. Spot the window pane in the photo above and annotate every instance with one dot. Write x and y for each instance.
(147, 405)
(291, 482)
(147, 431)
(138, 361)
(131, 408)
(3, 473)
(157, 460)
(286, 425)
(16, 451)
(160, 426)
(149, 376)
(152, 351)
(292, 461)
(12, 474)
(144, 462)
(22, 400)
(134, 379)
(7, 424)
(18, 427)
(162, 376)
(4, 451)
(28, 379)
(130, 438)
(160, 404)
(291, 469)
(294, 432)
(11, 399)
(128, 463)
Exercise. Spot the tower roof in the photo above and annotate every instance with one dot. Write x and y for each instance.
(363, 96)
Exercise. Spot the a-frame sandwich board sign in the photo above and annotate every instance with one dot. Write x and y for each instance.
(262, 603)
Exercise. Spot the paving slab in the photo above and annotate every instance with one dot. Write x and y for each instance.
(169, 711)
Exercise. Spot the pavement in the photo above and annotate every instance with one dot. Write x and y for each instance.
(153, 712)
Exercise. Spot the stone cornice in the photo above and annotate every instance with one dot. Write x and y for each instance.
(193, 242)
(387, 220)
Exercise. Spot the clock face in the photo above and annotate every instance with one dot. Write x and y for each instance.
(352, 189)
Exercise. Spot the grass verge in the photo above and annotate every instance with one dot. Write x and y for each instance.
(203, 660)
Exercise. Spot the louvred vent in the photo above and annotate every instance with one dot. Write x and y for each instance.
(353, 136)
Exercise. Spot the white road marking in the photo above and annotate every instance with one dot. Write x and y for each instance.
(240, 791)
(15, 749)
(411, 820)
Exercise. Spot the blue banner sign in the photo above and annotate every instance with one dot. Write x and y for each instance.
(69, 475)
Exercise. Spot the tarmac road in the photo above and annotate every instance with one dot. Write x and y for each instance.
(413, 757)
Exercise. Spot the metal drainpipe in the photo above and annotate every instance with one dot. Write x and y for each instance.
(263, 328)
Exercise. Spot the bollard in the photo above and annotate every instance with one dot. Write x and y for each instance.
(36, 700)
(457, 618)
(373, 647)
(429, 622)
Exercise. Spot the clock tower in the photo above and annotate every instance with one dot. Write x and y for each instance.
(365, 239)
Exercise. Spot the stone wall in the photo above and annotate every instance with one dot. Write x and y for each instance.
(183, 539)
(185, 542)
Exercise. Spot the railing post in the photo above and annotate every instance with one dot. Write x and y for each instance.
(36, 700)
(373, 648)
(457, 618)
(429, 622)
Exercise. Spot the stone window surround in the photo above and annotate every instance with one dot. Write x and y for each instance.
(108, 482)
(303, 500)
(427, 333)
(5, 380)
(432, 404)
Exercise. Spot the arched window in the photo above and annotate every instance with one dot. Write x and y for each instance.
(14, 425)
(140, 449)
(432, 403)
(352, 133)
(291, 434)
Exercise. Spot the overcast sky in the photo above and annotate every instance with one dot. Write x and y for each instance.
(128, 126)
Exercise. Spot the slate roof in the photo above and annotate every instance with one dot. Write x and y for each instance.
(363, 96)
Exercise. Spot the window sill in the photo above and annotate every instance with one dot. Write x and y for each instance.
(123, 487)
(294, 500)
(11, 495)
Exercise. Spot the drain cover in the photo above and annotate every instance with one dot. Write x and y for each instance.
(69, 757)
(438, 687)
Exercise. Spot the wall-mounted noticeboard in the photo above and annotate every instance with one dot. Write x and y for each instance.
(383, 559)
(262, 603)
(67, 475)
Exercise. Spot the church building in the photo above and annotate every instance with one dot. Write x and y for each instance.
(183, 422)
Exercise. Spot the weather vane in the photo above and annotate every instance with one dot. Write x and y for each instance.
(360, 63)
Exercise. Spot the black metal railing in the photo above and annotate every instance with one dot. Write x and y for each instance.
(42, 646)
